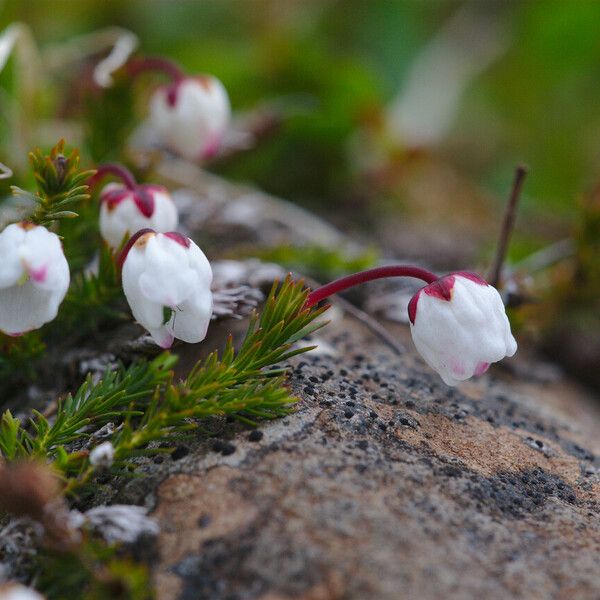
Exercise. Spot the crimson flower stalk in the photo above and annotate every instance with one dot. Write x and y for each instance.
(344, 283)
(155, 63)
(458, 322)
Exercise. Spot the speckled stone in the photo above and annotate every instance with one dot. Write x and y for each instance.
(421, 492)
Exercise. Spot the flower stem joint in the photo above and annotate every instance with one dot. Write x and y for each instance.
(167, 282)
(458, 322)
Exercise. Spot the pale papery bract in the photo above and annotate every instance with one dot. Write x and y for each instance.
(191, 116)
(102, 455)
(167, 282)
(34, 277)
(459, 326)
(123, 211)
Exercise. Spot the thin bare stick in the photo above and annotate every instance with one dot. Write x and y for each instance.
(508, 224)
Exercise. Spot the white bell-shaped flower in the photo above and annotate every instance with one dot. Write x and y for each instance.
(459, 326)
(16, 591)
(123, 211)
(166, 279)
(191, 116)
(34, 277)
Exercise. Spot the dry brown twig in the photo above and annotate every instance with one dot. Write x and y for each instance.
(508, 224)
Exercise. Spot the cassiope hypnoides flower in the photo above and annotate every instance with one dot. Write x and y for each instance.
(458, 322)
(166, 279)
(459, 326)
(191, 116)
(125, 210)
(34, 277)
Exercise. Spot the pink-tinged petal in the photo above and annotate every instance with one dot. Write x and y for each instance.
(211, 148)
(458, 370)
(162, 337)
(181, 239)
(166, 342)
(39, 275)
(481, 368)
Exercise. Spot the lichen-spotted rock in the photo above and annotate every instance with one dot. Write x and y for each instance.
(386, 484)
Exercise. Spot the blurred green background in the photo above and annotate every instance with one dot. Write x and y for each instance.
(518, 80)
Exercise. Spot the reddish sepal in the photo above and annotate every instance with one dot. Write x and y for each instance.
(143, 196)
(412, 307)
(129, 245)
(471, 276)
(179, 238)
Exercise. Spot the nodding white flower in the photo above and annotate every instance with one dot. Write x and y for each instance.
(123, 211)
(16, 591)
(459, 326)
(34, 277)
(191, 116)
(102, 455)
(166, 279)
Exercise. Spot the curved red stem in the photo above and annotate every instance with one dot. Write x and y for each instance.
(124, 174)
(155, 63)
(339, 285)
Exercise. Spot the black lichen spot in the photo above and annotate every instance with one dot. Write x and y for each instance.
(408, 421)
(362, 444)
(451, 471)
(225, 448)
(179, 452)
(517, 494)
(255, 435)
(203, 521)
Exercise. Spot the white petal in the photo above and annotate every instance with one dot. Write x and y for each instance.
(146, 312)
(458, 337)
(190, 321)
(167, 277)
(26, 307)
(44, 259)
(16, 591)
(11, 267)
(162, 336)
(125, 219)
(161, 272)
(198, 119)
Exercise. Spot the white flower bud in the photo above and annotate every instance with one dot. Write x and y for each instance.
(191, 116)
(16, 591)
(459, 326)
(34, 277)
(125, 211)
(166, 279)
(102, 455)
